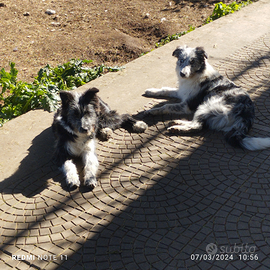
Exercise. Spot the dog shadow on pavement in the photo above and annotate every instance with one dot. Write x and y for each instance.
(35, 169)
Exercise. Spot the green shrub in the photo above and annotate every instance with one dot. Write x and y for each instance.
(17, 98)
(222, 9)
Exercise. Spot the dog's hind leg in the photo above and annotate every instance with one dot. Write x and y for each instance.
(139, 126)
(183, 126)
(110, 121)
(105, 134)
(136, 125)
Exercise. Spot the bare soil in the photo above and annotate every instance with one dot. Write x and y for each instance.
(112, 32)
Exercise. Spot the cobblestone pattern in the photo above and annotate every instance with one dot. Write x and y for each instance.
(160, 200)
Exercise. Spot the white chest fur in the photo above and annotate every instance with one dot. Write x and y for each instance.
(81, 144)
(190, 87)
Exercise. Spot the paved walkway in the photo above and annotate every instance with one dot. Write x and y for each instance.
(163, 202)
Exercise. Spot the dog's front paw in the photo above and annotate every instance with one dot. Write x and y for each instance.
(175, 129)
(91, 182)
(151, 92)
(176, 122)
(140, 127)
(70, 171)
(73, 182)
(105, 134)
(182, 129)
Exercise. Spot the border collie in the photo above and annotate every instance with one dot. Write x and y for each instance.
(217, 103)
(80, 119)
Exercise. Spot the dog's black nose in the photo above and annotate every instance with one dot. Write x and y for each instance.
(182, 74)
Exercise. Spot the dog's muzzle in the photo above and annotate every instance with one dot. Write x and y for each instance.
(185, 72)
(83, 130)
(89, 132)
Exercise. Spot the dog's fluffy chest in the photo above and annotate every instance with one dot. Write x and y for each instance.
(80, 145)
(188, 88)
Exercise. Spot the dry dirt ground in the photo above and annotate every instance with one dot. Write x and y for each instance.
(112, 32)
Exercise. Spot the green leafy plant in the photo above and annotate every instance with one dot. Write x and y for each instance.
(18, 97)
(222, 9)
(72, 74)
(174, 37)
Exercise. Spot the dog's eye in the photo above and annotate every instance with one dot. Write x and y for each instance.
(192, 61)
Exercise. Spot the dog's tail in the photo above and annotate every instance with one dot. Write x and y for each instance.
(255, 143)
(239, 139)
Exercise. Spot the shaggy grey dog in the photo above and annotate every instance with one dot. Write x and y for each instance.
(217, 103)
(76, 124)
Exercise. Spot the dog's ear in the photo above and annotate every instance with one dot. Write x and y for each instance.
(89, 95)
(66, 98)
(177, 52)
(201, 51)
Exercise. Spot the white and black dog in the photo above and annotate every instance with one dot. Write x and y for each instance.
(76, 124)
(217, 103)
